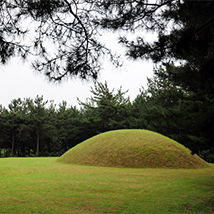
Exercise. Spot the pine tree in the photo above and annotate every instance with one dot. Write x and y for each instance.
(38, 119)
(107, 110)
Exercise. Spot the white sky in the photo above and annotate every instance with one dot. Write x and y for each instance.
(18, 80)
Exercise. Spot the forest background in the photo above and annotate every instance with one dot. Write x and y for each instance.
(40, 128)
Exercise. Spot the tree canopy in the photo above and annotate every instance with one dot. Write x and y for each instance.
(60, 36)
(63, 35)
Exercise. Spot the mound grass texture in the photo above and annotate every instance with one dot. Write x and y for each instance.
(132, 149)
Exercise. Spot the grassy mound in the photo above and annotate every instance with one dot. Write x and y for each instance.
(132, 149)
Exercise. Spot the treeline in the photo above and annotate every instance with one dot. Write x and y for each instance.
(40, 128)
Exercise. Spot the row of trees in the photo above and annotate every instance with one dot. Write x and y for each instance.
(32, 127)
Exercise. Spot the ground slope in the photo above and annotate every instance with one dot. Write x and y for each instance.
(133, 149)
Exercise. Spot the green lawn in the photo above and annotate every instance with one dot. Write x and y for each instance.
(42, 185)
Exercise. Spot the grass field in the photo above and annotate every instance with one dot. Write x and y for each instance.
(42, 185)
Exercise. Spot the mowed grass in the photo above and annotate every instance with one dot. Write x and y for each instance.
(42, 185)
(132, 148)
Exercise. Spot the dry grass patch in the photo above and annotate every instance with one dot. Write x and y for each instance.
(132, 149)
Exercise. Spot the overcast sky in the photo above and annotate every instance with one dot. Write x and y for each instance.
(18, 80)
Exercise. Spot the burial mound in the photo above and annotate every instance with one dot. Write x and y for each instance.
(132, 149)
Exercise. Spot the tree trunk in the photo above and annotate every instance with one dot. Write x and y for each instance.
(37, 146)
(13, 142)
